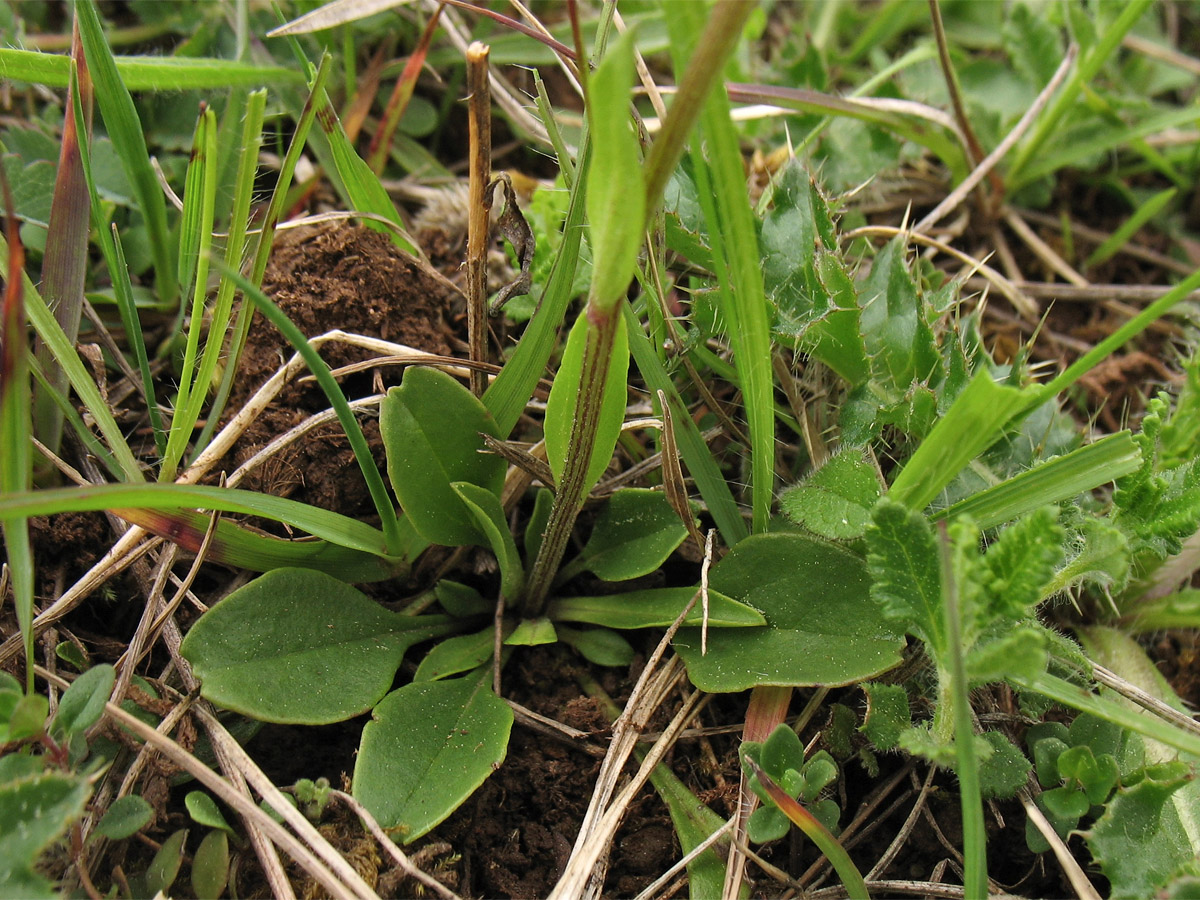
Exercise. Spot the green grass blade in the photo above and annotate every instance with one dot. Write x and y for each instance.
(1118, 338)
(125, 129)
(1059, 479)
(362, 186)
(148, 73)
(235, 247)
(114, 257)
(64, 264)
(1119, 238)
(970, 799)
(77, 374)
(711, 484)
(505, 398)
(89, 440)
(16, 458)
(330, 526)
(973, 423)
(722, 190)
(262, 253)
(195, 245)
(1144, 723)
(1085, 70)
(354, 433)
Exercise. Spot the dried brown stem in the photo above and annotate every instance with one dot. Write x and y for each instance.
(480, 123)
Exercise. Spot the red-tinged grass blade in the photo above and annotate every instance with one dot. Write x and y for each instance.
(64, 264)
(852, 879)
(398, 102)
(15, 456)
(233, 545)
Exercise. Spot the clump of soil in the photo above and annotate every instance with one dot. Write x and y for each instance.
(332, 276)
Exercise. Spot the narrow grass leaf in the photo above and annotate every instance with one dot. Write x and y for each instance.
(16, 465)
(318, 522)
(710, 482)
(353, 431)
(975, 420)
(736, 254)
(1056, 480)
(1127, 229)
(235, 251)
(77, 374)
(266, 238)
(195, 243)
(125, 129)
(64, 264)
(148, 73)
(654, 608)
(512, 388)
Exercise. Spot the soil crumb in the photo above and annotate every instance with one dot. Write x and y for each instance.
(332, 276)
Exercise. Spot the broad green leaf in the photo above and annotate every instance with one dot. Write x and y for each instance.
(34, 812)
(126, 817)
(601, 646)
(654, 608)
(28, 717)
(427, 748)
(822, 627)
(431, 426)
(458, 654)
(835, 501)
(82, 704)
(298, 646)
(485, 506)
(562, 406)
(635, 532)
(616, 199)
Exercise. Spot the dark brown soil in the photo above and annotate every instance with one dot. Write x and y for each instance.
(332, 276)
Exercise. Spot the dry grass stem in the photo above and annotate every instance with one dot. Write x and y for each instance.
(479, 119)
(1075, 874)
(1042, 250)
(988, 163)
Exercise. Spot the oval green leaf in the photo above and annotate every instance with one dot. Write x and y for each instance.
(298, 646)
(431, 426)
(427, 748)
(82, 704)
(822, 627)
(488, 513)
(634, 534)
